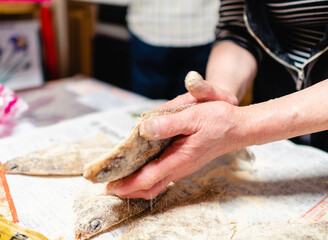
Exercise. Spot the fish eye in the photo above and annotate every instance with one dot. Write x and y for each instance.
(12, 167)
(95, 225)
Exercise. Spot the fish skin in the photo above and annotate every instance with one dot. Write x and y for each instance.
(131, 154)
(96, 212)
(285, 231)
(174, 227)
(66, 159)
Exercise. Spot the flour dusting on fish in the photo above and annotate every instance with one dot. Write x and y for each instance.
(95, 212)
(131, 154)
(67, 159)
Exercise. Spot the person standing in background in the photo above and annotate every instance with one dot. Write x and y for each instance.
(168, 39)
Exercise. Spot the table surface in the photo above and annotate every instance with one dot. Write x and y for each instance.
(291, 189)
(67, 98)
(53, 102)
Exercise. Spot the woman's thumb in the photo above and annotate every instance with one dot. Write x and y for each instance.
(165, 126)
(204, 91)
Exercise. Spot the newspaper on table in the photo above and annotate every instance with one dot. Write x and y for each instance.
(288, 182)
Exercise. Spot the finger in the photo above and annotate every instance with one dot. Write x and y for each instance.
(205, 91)
(151, 193)
(144, 179)
(199, 90)
(197, 86)
(173, 164)
(185, 122)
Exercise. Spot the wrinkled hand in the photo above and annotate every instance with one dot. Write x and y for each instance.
(204, 131)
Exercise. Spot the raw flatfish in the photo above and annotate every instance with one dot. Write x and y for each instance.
(194, 198)
(64, 159)
(191, 209)
(131, 154)
(171, 226)
(283, 231)
(96, 212)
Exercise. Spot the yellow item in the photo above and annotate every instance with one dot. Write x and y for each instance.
(12, 231)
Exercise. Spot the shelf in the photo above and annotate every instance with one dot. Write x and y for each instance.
(15, 8)
(112, 2)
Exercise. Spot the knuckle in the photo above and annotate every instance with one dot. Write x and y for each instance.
(186, 122)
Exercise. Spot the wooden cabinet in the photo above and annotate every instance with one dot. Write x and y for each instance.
(81, 20)
(14, 11)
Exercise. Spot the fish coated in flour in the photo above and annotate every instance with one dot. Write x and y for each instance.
(64, 159)
(95, 212)
(154, 227)
(131, 154)
(191, 209)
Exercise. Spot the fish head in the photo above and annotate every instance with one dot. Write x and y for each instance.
(15, 167)
(93, 216)
(96, 212)
(89, 228)
(99, 213)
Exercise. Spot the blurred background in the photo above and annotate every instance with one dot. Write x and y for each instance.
(62, 38)
(73, 37)
(66, 58)
(61, 59)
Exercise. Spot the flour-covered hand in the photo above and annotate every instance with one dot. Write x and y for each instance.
(203, 131)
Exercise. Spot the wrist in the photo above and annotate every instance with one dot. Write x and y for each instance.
(246, 128)
(260, 124)
(271, 121)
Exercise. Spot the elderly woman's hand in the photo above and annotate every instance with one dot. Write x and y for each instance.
(203, 131)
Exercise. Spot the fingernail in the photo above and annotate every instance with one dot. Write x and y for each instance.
(110, 188)
(108, 192)
(149, 128)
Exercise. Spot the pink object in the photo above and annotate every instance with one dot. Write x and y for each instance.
(11, 106)
(34, 1)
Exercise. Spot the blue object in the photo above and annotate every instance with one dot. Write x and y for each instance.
(159, 72)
